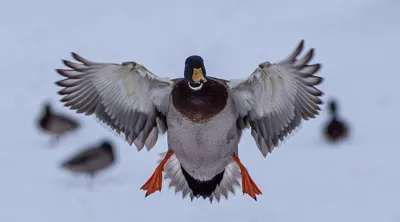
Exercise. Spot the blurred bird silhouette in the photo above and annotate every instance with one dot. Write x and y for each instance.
(336, 129)
(56, 124)
(92, 160)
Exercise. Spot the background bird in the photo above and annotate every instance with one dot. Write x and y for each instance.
(335, 129)
(56, 124)
(91, 160)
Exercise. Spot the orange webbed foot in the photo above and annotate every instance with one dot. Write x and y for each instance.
(248, 185)
(154, 183)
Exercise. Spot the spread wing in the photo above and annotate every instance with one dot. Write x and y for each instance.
(275, 98)
(127, 97)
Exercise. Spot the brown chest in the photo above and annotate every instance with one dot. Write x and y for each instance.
(202, 105)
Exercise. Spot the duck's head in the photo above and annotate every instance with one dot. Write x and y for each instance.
(45, 116)
(332, 106)
(107, 146)
(195, 72)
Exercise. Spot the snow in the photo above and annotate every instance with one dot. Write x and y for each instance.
(305, 179)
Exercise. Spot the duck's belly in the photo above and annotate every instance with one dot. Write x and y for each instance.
(203, 149)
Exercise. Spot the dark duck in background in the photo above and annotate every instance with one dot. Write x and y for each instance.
(91, 160)
(56, 124)
(336, 129)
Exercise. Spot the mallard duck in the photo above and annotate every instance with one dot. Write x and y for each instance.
(91, 160)
(56, 124)
(204, 115)
(335, 129)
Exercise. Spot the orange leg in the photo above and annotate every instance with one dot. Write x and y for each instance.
(248, 185)
(154, 183)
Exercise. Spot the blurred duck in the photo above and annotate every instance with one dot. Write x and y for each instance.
(336, 129)
(91, 160)
(56, 124)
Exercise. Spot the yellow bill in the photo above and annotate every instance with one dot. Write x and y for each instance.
(198, 75)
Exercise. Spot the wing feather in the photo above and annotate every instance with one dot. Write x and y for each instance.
(127, 97)
(275, 98)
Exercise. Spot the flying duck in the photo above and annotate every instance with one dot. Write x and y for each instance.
(336, 129)
(203, 115)
(56, 124)
(91, 160)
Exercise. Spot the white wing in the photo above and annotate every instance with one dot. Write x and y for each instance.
(276, 97)
(127, 97)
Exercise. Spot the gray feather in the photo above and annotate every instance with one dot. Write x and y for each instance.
(277, 97)
(126, 97)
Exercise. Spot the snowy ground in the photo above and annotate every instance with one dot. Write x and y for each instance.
(305, 180)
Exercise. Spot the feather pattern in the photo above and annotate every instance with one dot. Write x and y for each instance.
(173, 173)
(275, 98)
(127, 97)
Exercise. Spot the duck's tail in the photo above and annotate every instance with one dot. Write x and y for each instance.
(174, 173)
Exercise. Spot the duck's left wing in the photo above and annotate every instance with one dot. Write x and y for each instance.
(275, 98)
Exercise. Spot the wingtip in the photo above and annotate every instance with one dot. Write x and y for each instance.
(63, 72)
(296, 51)
(301, 44)
(74, 55)
(318, 67)
(61, 92)
(66, 62)
(78, 57)
(59, 83)
(321, 80)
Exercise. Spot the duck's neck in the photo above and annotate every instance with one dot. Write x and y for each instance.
(333, 115)
(47, 110)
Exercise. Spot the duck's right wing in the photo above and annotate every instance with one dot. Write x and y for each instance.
(275, 98)
(127, 97)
